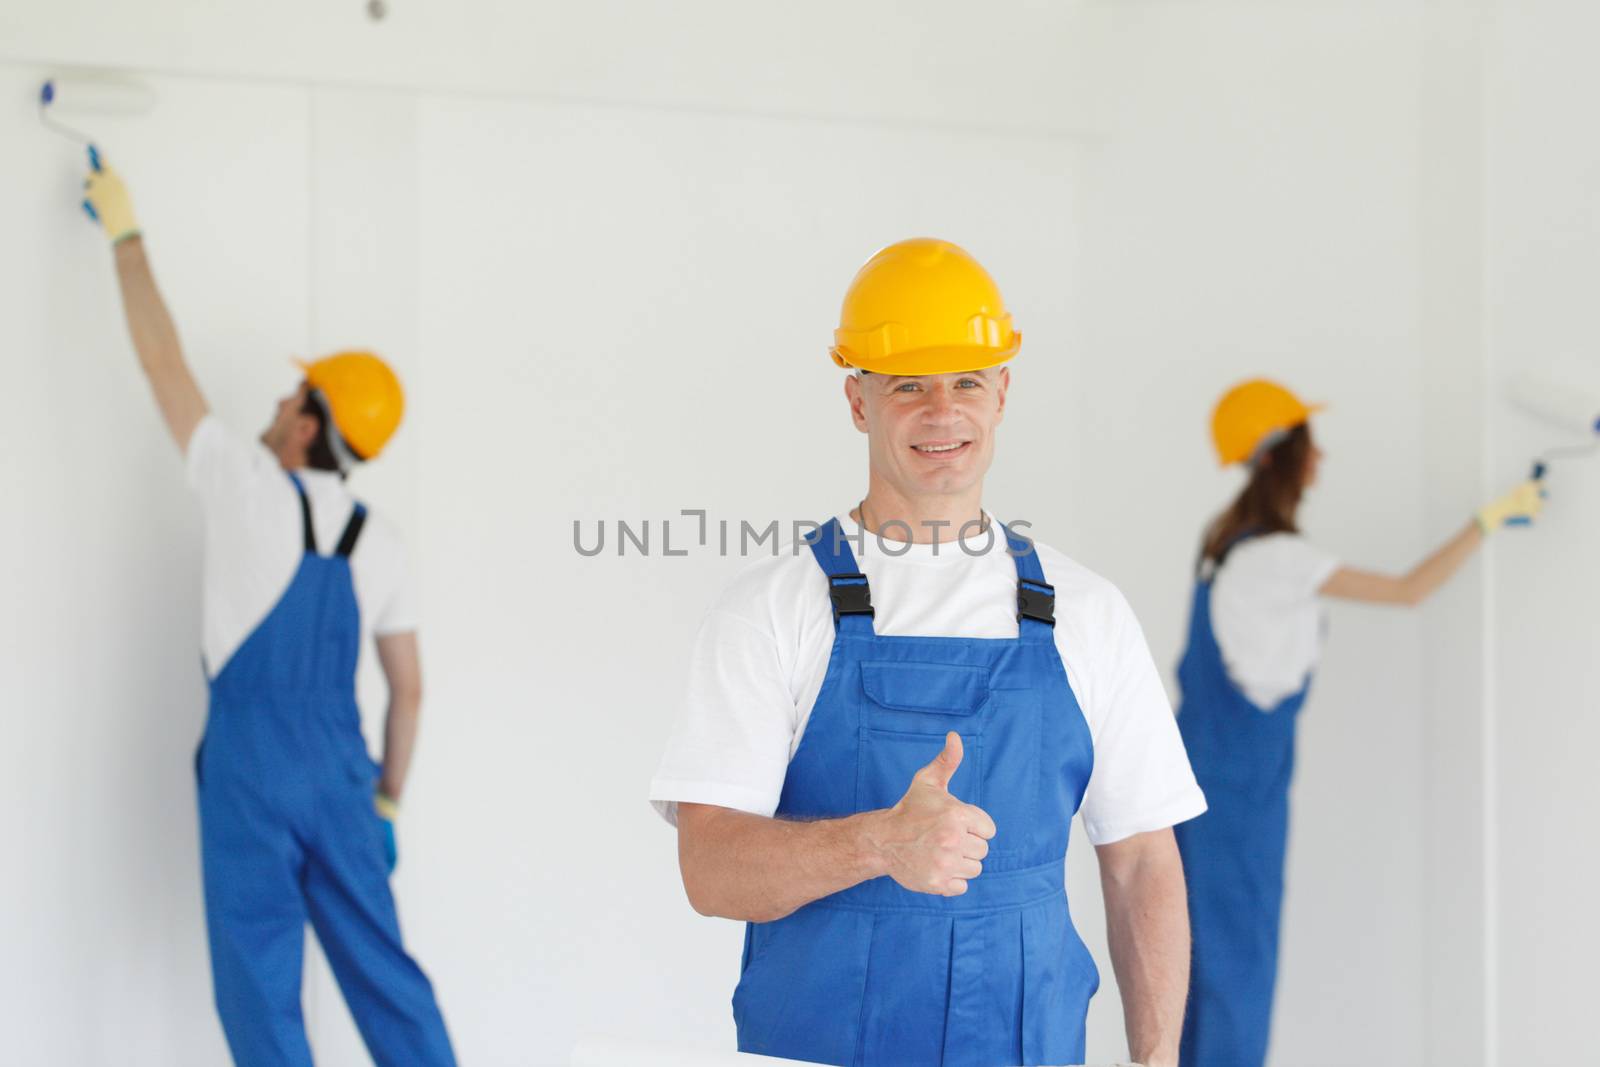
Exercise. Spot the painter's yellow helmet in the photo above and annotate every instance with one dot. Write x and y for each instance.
(1253, 414)
(364, 398)
(923, 306)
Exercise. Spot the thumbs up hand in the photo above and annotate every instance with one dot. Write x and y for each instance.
(930, 841)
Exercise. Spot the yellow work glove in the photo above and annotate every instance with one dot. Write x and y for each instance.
(1517, 508)
(105, 199)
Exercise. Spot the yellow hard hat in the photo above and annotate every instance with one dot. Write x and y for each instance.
(1251, 415)
(364, 397)
(923, 306)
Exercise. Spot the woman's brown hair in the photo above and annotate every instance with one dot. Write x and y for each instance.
(1268, 503)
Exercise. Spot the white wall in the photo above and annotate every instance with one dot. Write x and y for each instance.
(1457, 711)
(1254, 212)
(932, 63)
(582, 234)
(1543, 238)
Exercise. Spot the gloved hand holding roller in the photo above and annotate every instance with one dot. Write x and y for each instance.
(1519, 507)
(105, 199)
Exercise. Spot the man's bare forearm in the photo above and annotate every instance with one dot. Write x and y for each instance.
(400, 657)
(155, 341)
(741, 866)
(399, 742)
(1147, 923)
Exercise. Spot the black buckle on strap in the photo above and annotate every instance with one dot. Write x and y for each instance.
(850, 595)
(1036, 601)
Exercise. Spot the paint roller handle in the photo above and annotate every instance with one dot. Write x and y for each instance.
(94, 161)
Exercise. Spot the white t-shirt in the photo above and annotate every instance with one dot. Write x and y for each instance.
(759, 659)
(1267, 617)
(253, 542)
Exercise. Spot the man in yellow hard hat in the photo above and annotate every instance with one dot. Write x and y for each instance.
(297, 820)
(891, 724)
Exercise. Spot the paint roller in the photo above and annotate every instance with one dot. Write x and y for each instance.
(67, 99)
(1563, 406)
(90, 95)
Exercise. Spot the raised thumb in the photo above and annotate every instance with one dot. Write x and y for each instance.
(943, 768)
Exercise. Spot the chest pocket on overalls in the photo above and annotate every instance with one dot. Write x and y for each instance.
(909, 708)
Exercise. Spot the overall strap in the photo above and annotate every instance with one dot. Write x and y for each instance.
(1036, 598)
(847, 586)
(352, 530)
(307, 530)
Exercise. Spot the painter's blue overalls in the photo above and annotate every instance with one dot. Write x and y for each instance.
(877, 974)
(288, 833)
(1243, 758)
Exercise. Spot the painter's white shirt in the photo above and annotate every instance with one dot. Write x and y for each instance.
(759, 659)
(253, 542)
(1267, 616)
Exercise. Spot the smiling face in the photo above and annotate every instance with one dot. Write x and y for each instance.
(930, 435)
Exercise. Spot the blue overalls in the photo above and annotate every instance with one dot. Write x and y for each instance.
(288, 833)
(1243, 758)
(877, 974)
